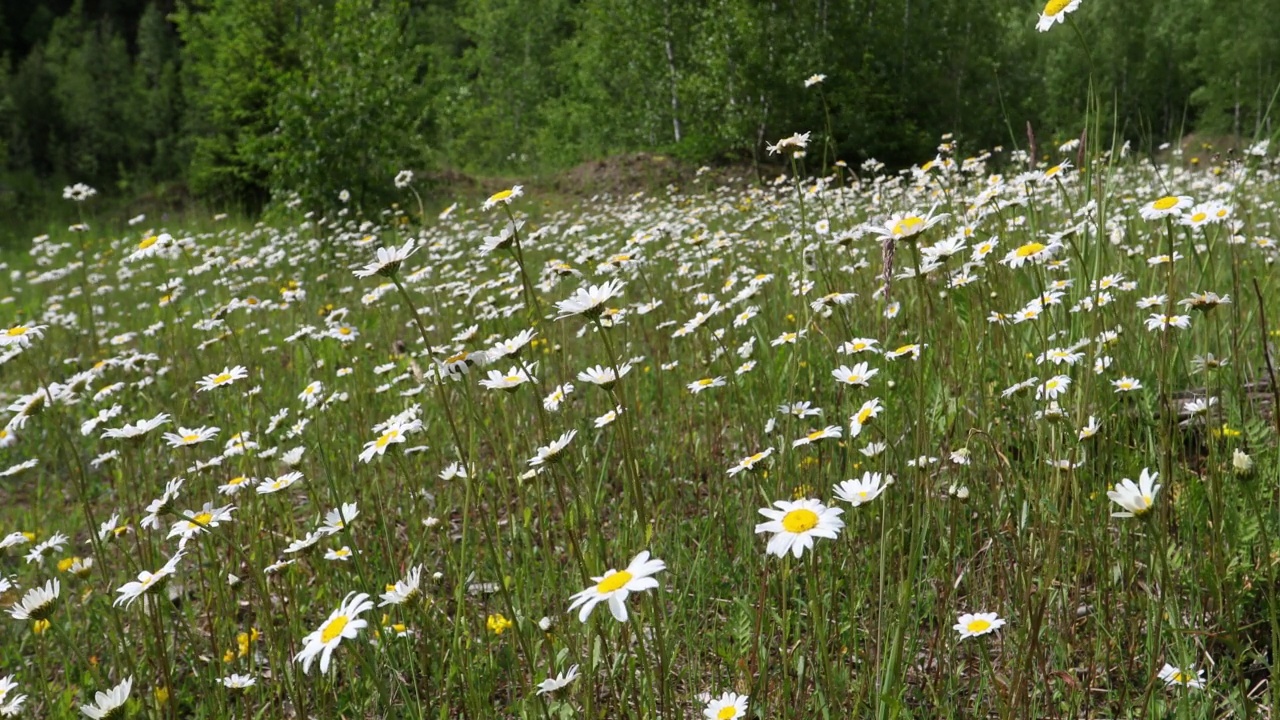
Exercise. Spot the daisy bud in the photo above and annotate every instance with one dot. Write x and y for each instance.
(1241, 463)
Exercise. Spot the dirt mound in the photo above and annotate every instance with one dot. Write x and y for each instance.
(631, 172)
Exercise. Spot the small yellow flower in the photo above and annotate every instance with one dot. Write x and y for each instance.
(498, 624)
(40, 626)
(162, 694)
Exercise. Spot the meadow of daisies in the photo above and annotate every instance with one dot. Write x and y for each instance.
(985, 437)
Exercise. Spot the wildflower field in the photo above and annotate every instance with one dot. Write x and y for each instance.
(991, 436)
(967, 440)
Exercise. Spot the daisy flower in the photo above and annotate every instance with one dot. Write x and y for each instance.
(343, 554)
(147, 581)
(238, 682)
(513, 379)
(503, 197)
(830, 431)
(603, 376)
(698, 386)
(787, 338)
(729, 706)
(138, 429)
(912, 349)
(21, 335)
(589, 301)
(1161, 322)
(553, 401)
(343, 623)
(38, 603)
(1053, 387)
(907, 225)
(793, 144)
(336, 520)
(268, 487)
(196, 523)
(608, 418)
(109, 705)
(870, 409)
(558, 682)
(615, 586)
(236, 484)
(1126, 384)
(1167, 206)
(226, 377)
(389, 260)
(9, 705)
(863, 491)
(404, 590)
(392, 434)
(1055, 11)
(1191, 677)
(191, 436)
(857, 375)
(795, 524)
(858, 345)
(1033, 252)
(53, 544)
(976, 624)
(750, 461)
(551, 453)
(1136, 499)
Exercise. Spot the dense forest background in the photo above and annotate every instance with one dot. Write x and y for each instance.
(237, 102)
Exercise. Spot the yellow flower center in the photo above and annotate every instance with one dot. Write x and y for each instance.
(1053, 171)
(853, 378)
(387, 437)
(17, 331)
(148, 242)
(816, 434)
(728, 712)
(1029, 249)
(1165, 203)
(979, 625)
(1053, 7)
(614, 582)
(512, 378)
(801, 520)
(1181, 677)
(222, 378)
(905, 349)
(907, 225)
(500, 196)
(190, 438)
(333, 628)
(1199, 217)
(237, 480)
(864, 415)
(202, 519)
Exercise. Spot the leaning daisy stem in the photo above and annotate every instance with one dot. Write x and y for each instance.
(628, 447)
